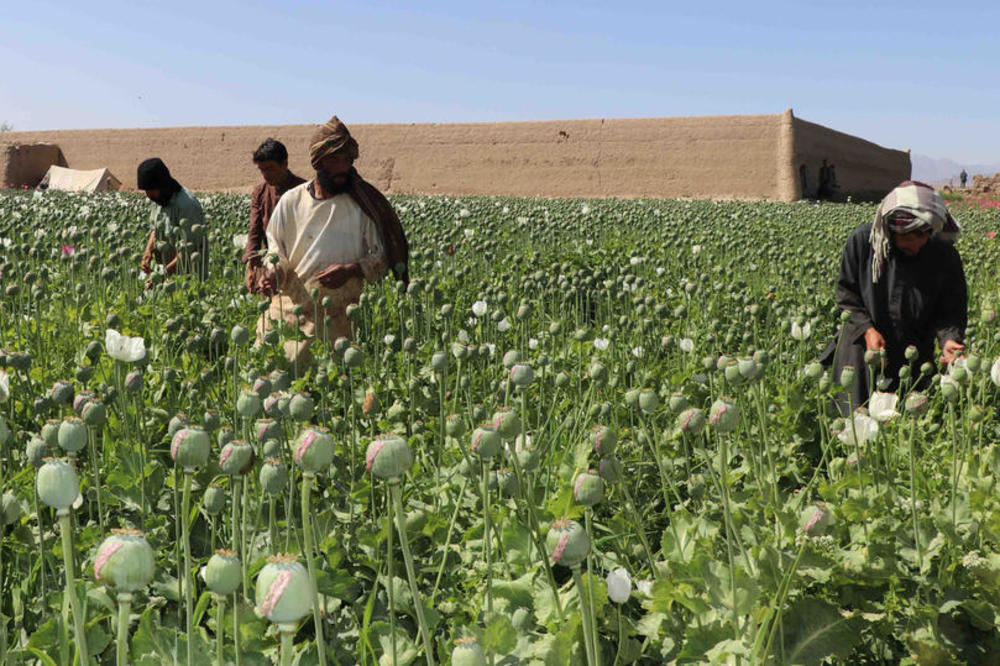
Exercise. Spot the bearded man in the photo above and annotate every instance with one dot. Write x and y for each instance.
(177, 238)
(271, 159)
(902, 282)
(331, 234)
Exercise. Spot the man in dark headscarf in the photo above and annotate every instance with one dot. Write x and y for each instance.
(177, 239)
(902, 283)
(331, 234)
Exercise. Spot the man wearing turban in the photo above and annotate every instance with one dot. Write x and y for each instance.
(329, 235)
(177, 238)
(902, 284)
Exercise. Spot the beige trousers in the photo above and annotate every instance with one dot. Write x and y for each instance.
(294, 292)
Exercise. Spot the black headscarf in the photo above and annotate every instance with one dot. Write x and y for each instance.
(153, 174)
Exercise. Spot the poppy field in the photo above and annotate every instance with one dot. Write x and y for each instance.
(587, 432)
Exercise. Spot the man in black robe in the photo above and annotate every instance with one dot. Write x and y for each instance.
(901, 280)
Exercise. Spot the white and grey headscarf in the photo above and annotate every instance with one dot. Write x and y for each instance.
(910, 206)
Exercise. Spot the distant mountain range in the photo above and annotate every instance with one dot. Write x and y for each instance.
(941, 171)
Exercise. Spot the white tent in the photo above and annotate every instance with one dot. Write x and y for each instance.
(74, 180)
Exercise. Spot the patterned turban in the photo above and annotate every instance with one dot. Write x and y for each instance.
(911, 206)
(329, 138)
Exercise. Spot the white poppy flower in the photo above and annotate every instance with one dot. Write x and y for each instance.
(801, 332)
(532, 343)
(882, 406)
(479, 308)
(645, 587)
(584, 209)
(469, 233)
(601, 343)
(995, 371)
(619, 585)
(491, 348)
(4, 386)
(638, 352)
(389, 339)
(124, 348)
(865, 426)
(463, 335)
(240, 240)
(686, 345)
(503, 325)
(695, 249)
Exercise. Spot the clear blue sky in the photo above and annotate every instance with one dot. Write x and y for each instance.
(916, 75)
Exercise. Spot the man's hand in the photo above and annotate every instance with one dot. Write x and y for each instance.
(950, 350)
(171, 268)
(874, 340)
(147, 263)
(337, 275)
(266, 283)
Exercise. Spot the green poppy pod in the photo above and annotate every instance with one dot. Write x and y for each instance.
(272, 405)
(604, 440)
(224, 435)
(567, 542)
(284, 592)
(563, 379)
(236, 457)
(214, 500)
(301, 407)
(511, 358)
(632, 398)
(273, 476)
(124, 561)
(134, 381)
(610, 469)
(847, 377)
(588, 489)
(223, 574)
(521, 375)
(649, 400)
(62, 392)
(749, 369)
(81, 399)
(95, 413)
(732, 372)
(486, 441)
(388, 457)
(57, 483)
(72, 435)
(249, 404)
(691, 421)
(467, 653)
(677, 402)
(439, 361)
(454, 425)
(507, 423)
(176, 423)
(950, 388)
(271, 449)
(240, 335)
(527, 458)
(50, 432)
(508, 483)
(598, 373)
(313, 449)
(815, 519)
(210, 420)
(266, 428)
(724, 416)
(352, 357)
(973, 362)
(814, 370)
(190, 447)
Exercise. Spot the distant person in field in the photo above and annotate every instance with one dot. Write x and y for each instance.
(331, 235)
(177, 238)
(964, 177)
(823, 190)
(901, 279)
(271, 159)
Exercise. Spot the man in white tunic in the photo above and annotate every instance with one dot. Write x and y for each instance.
(331, 234)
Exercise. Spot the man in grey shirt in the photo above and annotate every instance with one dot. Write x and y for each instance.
(177, 238)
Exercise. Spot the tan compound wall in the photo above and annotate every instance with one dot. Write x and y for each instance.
(865, 171)
(26, 163)
(742, 157)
